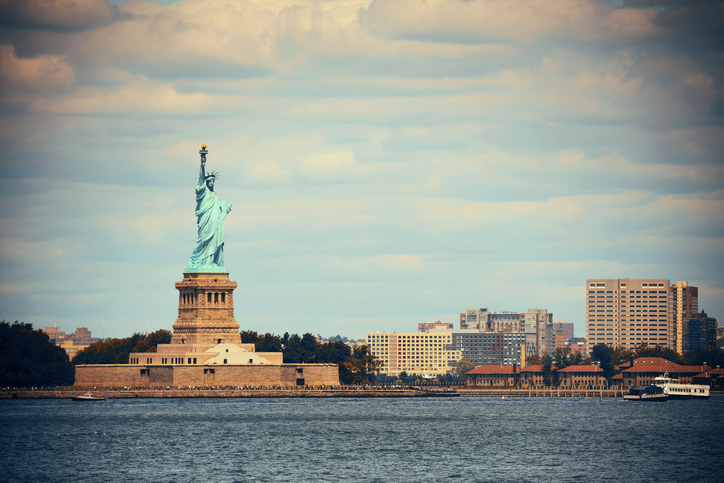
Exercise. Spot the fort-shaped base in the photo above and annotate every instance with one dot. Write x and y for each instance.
(206, 310)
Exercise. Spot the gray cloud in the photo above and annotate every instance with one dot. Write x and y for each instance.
(61, 15)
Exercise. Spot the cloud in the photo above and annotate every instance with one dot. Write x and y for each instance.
(141, 95)
(56, 14)
(403, 260)
(506, 20)
(27, 75)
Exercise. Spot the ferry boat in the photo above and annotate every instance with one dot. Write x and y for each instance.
(676, 389)
(88, 397)
(646, 393)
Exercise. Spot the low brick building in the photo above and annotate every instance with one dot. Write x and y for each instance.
(531, 376)
(492, 376)
(581, 376)
(645, 370)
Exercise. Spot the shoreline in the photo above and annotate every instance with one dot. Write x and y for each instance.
(309, 393)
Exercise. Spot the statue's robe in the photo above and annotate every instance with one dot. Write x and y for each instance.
(210, 213)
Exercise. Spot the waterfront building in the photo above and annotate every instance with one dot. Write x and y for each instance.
(426, 354)
(644, 370)
(531, 376)
(492, 376)
(581, 376)
(698, 332)
(713, 378)
(628, 312)
(684, 300)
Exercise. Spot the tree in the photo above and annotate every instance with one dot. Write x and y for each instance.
(28, 358)
(564, 357)
(116, 351)
(462, 367)
(621, 355)
(712, 358)
(361, 365)
(550, 375)
(645, 350)
(603, 354)
(533, 360)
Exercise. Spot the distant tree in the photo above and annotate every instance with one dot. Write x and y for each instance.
(249, 337)
(603, 354)
(550, 375)
(645, 350)
(621, 355)
(533, 360)
(28, 358)
(301, 349)
(711, 358)
(462, 367)
(117, 351)
(361, 366)
(269, 343)
(564, 357)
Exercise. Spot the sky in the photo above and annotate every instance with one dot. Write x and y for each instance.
(389, 162)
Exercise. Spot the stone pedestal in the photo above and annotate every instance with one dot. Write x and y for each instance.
(206, 310)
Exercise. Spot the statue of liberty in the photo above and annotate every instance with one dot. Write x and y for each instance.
(210, 212)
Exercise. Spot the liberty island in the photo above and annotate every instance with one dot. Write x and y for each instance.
(206, 347)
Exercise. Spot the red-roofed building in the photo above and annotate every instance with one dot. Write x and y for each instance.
(581, 376)
(492, 376)
(688, 373)
(645, 369)
(713, 378)
(531, 376)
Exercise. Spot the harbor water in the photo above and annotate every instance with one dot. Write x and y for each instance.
(361, 439)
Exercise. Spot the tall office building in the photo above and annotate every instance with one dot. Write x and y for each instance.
(540, 337)
(698, 333)
(684, 303)
(484, 320)
(627, 312)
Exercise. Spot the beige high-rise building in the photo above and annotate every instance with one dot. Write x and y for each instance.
(684, 303)
(428, 353)
(627, 312)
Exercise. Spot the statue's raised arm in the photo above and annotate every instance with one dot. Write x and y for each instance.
(208, 254)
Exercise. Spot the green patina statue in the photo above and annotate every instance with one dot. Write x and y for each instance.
(208, 254)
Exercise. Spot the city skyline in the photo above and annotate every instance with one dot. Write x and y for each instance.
(389, 163)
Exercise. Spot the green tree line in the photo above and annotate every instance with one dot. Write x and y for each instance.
(28, 358)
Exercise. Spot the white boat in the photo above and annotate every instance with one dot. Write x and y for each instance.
(88, 397)
(679, 390)
(646, 393)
